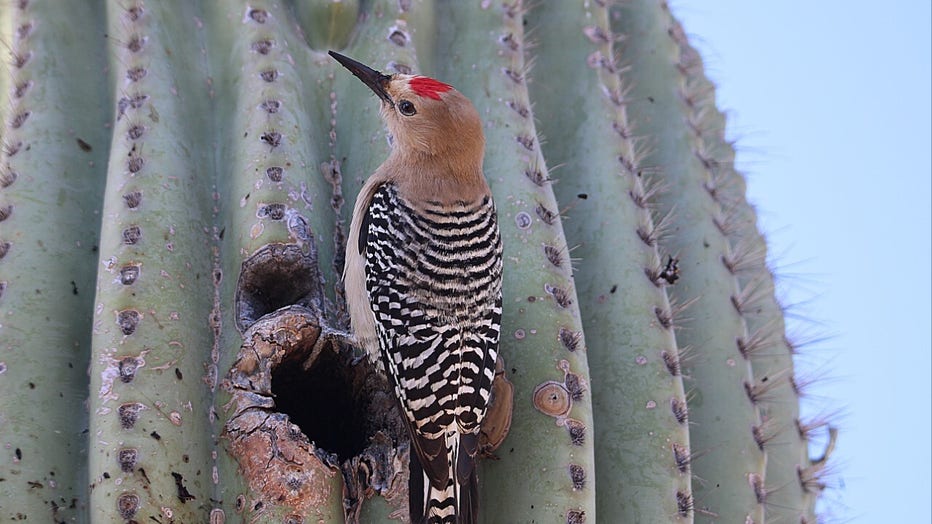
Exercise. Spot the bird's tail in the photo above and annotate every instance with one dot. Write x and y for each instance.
(447, 505)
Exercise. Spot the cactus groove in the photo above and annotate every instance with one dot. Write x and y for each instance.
(176, 180)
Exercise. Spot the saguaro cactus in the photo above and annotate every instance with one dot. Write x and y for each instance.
(175, 184)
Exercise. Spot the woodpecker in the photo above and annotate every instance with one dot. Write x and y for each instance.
(423, 281)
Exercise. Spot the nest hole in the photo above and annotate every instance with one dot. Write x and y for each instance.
(324, 403)
(276, 276)
(294, 383)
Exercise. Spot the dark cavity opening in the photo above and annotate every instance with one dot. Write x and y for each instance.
(325, 402)
(276, 276)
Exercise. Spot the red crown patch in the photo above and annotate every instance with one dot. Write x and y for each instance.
(425, 86)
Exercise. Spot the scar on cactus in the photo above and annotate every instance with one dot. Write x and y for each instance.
(555, 399)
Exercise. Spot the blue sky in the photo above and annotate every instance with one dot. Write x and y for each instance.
(830, 104)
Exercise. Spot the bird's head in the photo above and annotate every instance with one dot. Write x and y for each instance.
(428, 119)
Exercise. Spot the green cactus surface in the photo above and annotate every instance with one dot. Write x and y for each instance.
(176, 184)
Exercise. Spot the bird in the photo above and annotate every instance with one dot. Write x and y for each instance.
(423, 281)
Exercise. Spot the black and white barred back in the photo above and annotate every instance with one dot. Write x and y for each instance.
(434, 283)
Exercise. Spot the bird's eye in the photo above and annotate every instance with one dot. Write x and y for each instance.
(406, 108)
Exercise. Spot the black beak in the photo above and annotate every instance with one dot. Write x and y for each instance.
(376, 81)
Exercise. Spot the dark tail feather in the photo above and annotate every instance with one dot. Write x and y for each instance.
(442, 500)
(468, 478)
(469, 500)
(415, 490)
